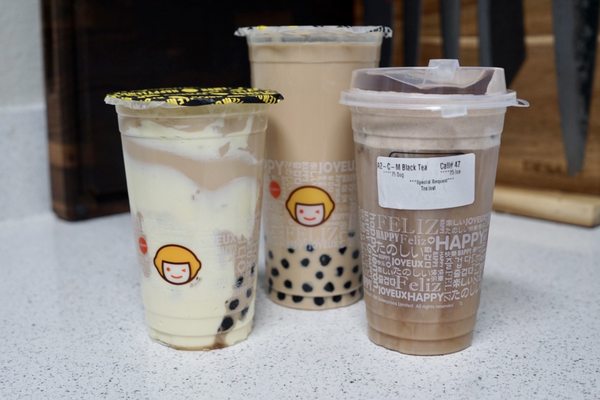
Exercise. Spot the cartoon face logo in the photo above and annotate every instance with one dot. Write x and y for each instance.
(176, 264)
(310, 205)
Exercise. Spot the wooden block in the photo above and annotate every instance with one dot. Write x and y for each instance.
(532, 152)
(570, 208)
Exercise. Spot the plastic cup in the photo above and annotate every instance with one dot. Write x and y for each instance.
(194, 163)
(310, 204)
(426, 144)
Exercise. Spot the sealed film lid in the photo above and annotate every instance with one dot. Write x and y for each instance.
(306, 33)
(190, 96)
(442, 86)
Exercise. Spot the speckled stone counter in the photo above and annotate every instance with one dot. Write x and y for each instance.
(72, 327)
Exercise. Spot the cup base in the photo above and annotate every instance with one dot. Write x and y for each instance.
(192, 343)
(315, 303)
(421, 347)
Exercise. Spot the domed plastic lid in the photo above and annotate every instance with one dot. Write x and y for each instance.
(443, 86)
(326, 33)
(190, 96)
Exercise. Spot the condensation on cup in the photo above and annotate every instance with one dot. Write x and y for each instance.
(426, 146)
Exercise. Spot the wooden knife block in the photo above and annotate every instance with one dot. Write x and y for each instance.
(532, 154)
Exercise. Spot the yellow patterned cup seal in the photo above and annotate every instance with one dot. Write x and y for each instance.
(190, 96)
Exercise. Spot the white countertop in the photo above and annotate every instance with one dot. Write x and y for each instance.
(72, 327)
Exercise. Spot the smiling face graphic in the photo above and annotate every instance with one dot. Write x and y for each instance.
(176, 264)
(310, 214)
(310, 205)
(176, 273)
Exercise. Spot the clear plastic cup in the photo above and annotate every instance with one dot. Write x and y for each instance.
(194, 164)
(310, 205)
(426, 144)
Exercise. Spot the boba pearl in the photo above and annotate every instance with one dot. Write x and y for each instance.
(226, 324)
(234, 304)
(324, 260)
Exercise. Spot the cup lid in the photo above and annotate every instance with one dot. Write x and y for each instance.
(306, 33)
(191, 96)
(442, 86)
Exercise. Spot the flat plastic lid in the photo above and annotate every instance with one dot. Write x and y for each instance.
(442, 86)
(326, 33)
(191, 96)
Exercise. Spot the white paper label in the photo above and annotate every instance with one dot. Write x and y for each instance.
(426, 183)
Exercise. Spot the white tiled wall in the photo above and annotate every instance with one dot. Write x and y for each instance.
(24, 176)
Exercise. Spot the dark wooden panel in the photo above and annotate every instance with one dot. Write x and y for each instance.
(93, 47)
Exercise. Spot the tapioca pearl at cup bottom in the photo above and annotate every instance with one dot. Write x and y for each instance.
(270, 254)
(244, 312)
(310, 248)
(226, 324)
(342, 250)
(305, 262)
(234, 304)
(329, 287)
(281, 296)
(274, 272)
(307, 287)
(239, 281)
(355, 254)
(287, 283)
(325, 259)
(356, 269)
(249, 293)
(319, 301)
(297, 299)
(336, 299)
(348, 285)
(339, 271)
(285, 263)
(291, 250)
(319, 275)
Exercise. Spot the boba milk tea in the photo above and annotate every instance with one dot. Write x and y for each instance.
(312, 248)
(194, 162)
(427, 143)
